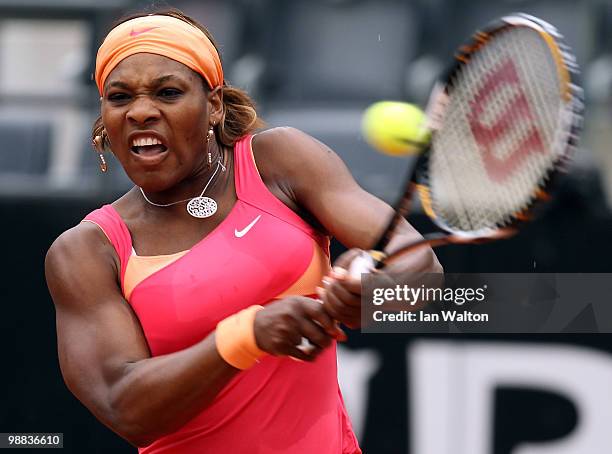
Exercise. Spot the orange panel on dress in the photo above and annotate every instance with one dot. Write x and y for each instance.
(139, 268)
(311, 279)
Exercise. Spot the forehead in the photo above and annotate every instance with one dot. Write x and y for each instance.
(143, 68)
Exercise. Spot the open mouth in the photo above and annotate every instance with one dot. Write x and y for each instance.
(149, 150)
(147, 146)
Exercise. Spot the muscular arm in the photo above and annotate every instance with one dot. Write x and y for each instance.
(103, 355)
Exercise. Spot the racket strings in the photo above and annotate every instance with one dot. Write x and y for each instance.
(497, 145)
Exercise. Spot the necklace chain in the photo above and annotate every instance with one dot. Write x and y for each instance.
(164, 205)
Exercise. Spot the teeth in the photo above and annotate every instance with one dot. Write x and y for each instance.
(144, 141)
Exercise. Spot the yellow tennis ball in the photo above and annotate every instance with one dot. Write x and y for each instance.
(395, 128)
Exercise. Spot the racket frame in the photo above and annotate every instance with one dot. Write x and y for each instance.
(566, 140)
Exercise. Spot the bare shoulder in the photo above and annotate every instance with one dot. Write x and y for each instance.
(282, 136)
(289, 152)
(81, 240)
(287, 142)
(76, 254)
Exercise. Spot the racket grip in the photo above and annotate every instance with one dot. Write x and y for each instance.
(363, 263)
(305, 346)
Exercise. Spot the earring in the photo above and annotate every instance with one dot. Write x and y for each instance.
(103, 166)
(209, 137)
(98, 144)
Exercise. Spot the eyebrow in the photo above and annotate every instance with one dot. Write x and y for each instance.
(117, 84)
(155, 82)
(162, 79)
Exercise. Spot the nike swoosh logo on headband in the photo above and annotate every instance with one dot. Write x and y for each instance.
(140, 32)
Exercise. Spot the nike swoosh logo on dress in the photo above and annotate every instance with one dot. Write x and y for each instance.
(243, 232)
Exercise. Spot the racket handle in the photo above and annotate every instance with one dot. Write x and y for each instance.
(305, 346)
(363, 263)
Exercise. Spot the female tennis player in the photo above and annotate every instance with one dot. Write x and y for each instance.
(181, 306)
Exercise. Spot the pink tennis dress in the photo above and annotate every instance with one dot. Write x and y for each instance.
(261, 251)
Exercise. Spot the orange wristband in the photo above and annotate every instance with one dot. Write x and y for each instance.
(235, 339)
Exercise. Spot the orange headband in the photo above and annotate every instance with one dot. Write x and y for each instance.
(161, 35)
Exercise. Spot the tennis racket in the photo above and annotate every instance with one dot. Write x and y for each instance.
(504, 120)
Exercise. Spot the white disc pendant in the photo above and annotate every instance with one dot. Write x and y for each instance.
(202, 207)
